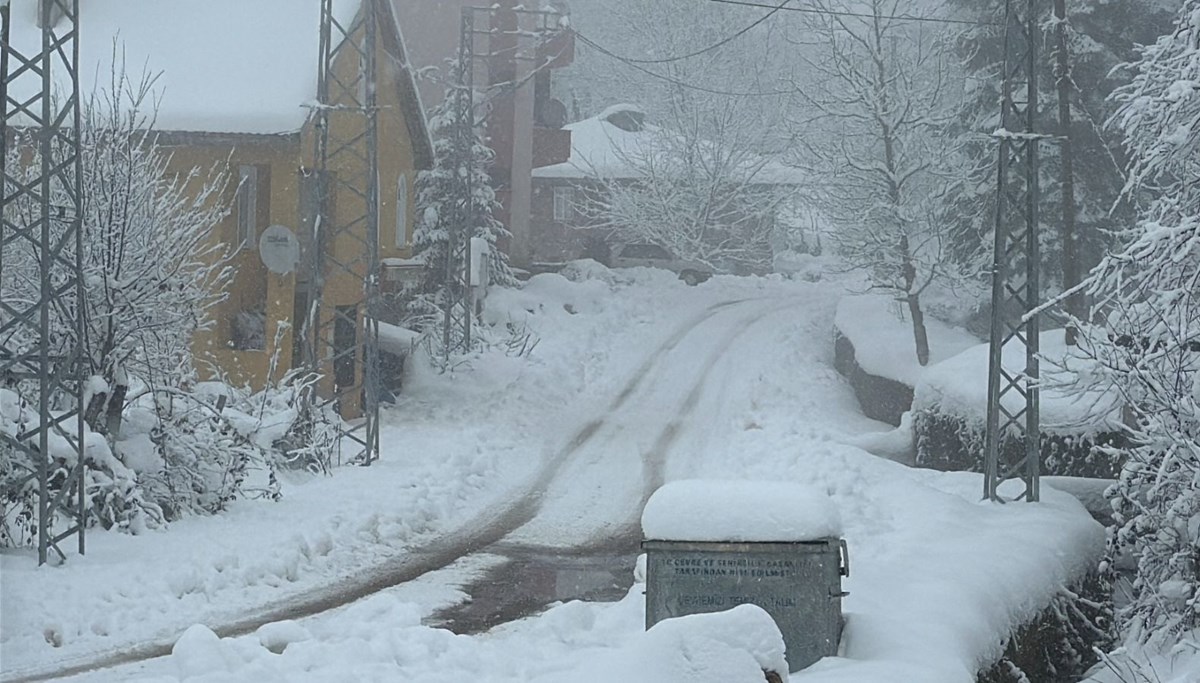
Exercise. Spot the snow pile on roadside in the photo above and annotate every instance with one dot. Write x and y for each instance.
(938, 578)
(749, 511)
(882, 336)
(735, 646)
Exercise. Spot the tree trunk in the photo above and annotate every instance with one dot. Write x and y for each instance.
(1069, 236)
(116, 407)
(920, 335)
(913, 298)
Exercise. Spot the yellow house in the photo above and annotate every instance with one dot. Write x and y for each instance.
(236, 81)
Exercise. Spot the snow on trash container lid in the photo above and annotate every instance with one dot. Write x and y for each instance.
(739, 511)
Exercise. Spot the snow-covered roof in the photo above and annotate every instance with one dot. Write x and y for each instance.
(230, 66)
(606, 146)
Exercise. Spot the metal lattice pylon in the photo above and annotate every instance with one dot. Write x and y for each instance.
(459, 295)
(1013, 438)
(459, 305)
(42, 330)
(344, 295)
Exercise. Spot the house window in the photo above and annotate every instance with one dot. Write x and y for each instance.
(564, 204)
(247, 206)
(402, 212)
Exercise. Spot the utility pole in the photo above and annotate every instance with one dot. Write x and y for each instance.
(1013, 405)
(43, 337)
(344, 298)
(460, 307)
(501, 40)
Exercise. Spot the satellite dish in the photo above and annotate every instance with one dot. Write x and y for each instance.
(279, 249)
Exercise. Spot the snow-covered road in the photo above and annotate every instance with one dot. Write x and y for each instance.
(636, 380)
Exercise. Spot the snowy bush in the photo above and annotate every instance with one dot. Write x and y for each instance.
(113, 498)
(151, 271)
(1063, 641)
(953, 443)
(1146, 338)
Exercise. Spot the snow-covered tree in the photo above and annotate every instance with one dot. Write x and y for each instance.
(1099, 36)
(441, 207)
(695, 186)
(877, 98)
(152, 274)
(151, 270)
(1147, 340)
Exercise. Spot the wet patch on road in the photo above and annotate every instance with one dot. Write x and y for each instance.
(532, 579)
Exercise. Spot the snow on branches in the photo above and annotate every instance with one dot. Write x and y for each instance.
(1147, 335)
(442, 208)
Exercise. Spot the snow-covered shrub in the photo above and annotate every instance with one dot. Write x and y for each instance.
(1146, 336)
(950, 442)
(1062, 642)
(151, 271)
(113, 497)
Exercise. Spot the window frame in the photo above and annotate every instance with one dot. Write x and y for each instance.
(563, 209)
(247, 205)
(402, 199)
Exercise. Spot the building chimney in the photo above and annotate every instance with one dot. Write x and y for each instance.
(57, 9)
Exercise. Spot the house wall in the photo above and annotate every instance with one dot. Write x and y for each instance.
(286, 159)
(554, 241)
(346, 267)
(253, 287)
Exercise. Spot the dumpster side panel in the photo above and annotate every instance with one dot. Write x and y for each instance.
(798, 584)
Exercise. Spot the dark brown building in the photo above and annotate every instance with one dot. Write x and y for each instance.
(524, 124)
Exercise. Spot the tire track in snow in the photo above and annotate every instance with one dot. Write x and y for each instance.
(486, 529)
(623, 532)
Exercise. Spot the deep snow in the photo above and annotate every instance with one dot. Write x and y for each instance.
(732, 380)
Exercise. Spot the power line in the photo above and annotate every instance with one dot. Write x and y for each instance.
(634, 64)
(716, 45)
(837, 13)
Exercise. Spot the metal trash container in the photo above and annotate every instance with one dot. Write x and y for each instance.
(798, 583)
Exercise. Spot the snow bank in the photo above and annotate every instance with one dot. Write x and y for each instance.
(396, 339)
(1174, 664)
(735, 646)
(883, 339)
(739, 511)
(957, 386)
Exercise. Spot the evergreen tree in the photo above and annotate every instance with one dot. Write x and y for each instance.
(1100, 37)
(441, 208)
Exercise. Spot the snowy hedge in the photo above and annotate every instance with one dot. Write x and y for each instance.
(1061, 643)
(953, 443)
(179, 453)
(950, 413)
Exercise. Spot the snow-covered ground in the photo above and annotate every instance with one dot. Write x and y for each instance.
(635, 380)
